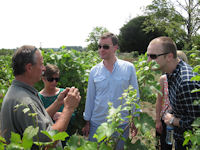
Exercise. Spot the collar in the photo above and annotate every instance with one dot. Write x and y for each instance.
(116, 62)
(26, 86)
(176, 71)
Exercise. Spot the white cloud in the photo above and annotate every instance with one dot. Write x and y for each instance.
(54, 23)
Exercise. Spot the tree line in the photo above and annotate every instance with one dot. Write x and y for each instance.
(177, 19)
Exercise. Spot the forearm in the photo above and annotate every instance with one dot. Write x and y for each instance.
(158, 109)
(89, 104)
(87, 122)
(53, 108)
(63, 121)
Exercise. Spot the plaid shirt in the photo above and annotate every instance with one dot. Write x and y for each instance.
(181, 98)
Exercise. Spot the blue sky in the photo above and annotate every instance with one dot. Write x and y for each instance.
(53, 23)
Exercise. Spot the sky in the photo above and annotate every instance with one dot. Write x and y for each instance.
(54, 23)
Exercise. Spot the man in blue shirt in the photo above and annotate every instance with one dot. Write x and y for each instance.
(107, 82)
(163, 50)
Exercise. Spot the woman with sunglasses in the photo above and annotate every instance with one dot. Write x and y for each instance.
(163, 105)
(50, 92)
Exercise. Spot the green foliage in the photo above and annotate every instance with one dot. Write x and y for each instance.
(74, 71)
(132, 36)
(194, 135)
(94, 37)
(26, 142)
(75, 67)
(147, 79)
(196, 41)
(55, 135)
(6, 75)
(104, 133)
(114, 120)
(163, 16)
(178, 19)
(145, 125)
(6, 52)
(136, 146)
(194, 58)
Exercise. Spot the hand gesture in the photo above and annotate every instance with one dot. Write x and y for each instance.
(71, 101)
(62, 95)
(56, 116)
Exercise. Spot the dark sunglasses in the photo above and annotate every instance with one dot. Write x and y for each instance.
(51, 79)
(104, 46)
(154, 56)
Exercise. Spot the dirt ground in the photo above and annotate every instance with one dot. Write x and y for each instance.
(149, 108)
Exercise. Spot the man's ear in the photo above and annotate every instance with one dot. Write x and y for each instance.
(28, 67)
(170, 56)
(116, 47)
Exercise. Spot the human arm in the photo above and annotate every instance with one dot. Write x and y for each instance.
(86, 129)
(56, 116)
(185, 111)
(55, 106)
(89, 105)
(134, 83)
(71, 102)
(159, 102)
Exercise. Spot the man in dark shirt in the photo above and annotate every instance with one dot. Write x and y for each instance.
(163, 50)
(27, 64)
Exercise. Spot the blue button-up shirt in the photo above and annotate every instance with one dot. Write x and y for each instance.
(105, 86)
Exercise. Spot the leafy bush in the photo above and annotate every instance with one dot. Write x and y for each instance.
(75, 67)
(74, 71)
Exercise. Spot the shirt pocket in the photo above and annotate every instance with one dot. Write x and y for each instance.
(121, 81)
(100, 82)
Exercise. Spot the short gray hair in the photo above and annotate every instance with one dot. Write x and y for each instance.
(23, 56)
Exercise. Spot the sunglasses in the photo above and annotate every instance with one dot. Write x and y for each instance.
(154, 56)
(52, 79)
(104, 46)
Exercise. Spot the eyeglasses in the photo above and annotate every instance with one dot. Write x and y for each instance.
(104, 46)
(154, 56)
(52, 79)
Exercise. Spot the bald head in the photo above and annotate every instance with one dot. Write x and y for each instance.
(166, 44)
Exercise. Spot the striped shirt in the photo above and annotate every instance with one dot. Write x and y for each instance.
(181, 98)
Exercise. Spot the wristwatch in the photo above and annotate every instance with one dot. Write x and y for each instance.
(171, 121)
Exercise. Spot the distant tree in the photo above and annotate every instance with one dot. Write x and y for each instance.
(94, 37)
(192, 19)
(132, 37)
(196, 41)
(179, 19)
(6, 51)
